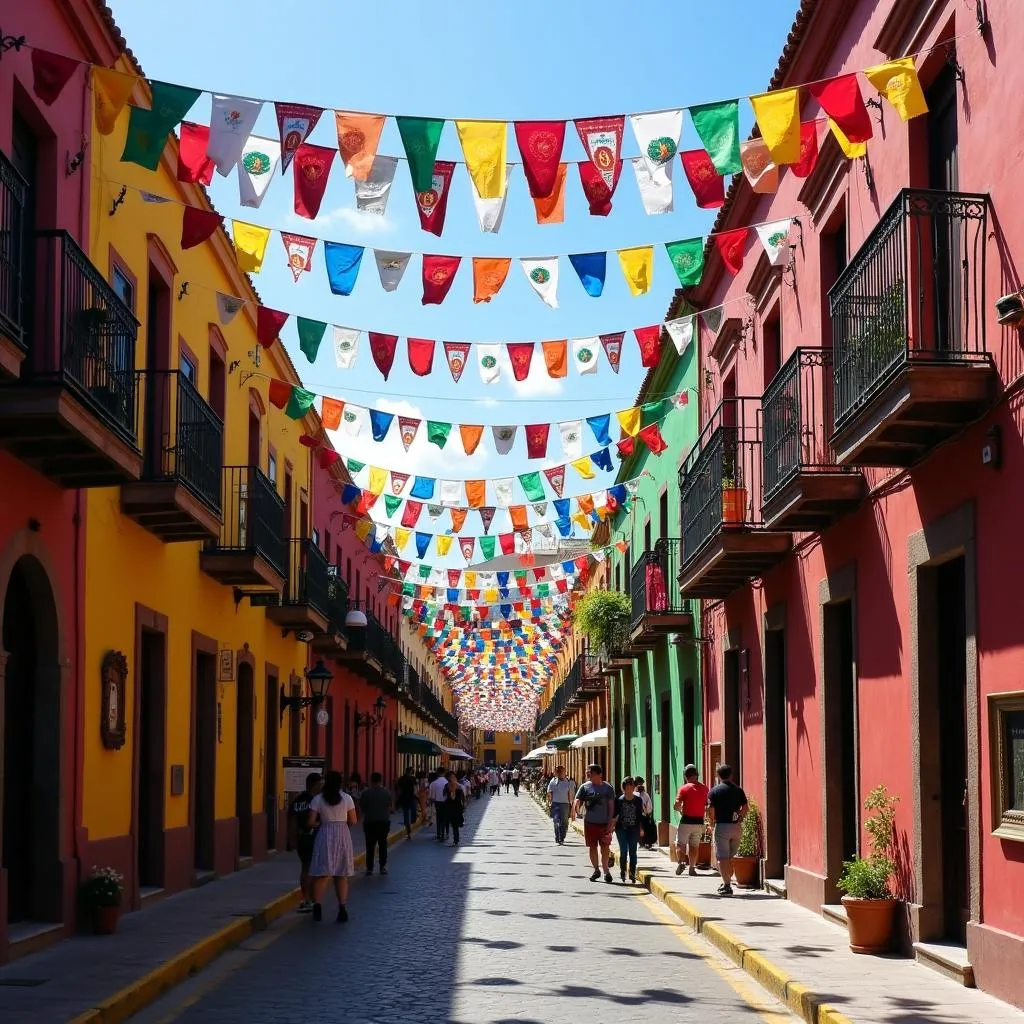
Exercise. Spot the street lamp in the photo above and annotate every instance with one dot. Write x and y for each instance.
(371, 719)
(355, 618)
(319, 679)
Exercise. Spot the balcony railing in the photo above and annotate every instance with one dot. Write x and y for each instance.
(654, 582)
(83, 335)
(183, 436)
(374, 641)
(337, 599)
(720, 482)
(913, 293)
(308, 578)
(13, 190)
(581, 683)
(253, 517)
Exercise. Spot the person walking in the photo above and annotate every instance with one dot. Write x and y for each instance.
(597, 799)
(408, 799)
(507, 779)
(691, 803)
(438, 785)
(560, 793)
(493, 780)
(423, 795)
(301, 835)
(455, 806)
(628, 809)
(728, 804)
(516, 779)
(333, 810)
(648, 828)
(375, 804)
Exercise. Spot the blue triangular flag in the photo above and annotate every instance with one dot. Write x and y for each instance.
(453, 596)
(380, 423)
(342, 266)
(503, 579)
(599, 425)
(562, 508)
(590, 266)
(618, 492)
(569, 566)
(423, 488)
(349, 493)
(506, 610)
(602, 459)
(422, 543)
(503, 593)
(564, 525)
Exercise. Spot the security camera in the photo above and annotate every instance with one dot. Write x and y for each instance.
(1010, 309)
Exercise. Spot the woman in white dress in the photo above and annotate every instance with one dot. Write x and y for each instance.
(335, 811)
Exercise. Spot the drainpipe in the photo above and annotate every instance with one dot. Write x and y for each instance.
(79, 685)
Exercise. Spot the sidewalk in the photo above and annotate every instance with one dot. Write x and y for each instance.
(104, 979)
(805, 961)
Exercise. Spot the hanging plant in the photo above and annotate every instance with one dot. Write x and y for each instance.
(599, 614)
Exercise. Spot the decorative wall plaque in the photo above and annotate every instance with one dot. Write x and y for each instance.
(113, 679)
(227, 666)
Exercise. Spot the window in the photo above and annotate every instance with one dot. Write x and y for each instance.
(188, 369)
(218, 383)
(315, 537)
(663, 514)
(327, 544)
(488, 735)
(272, 466)
(771, 346)
(123, 286)
(1006, 758)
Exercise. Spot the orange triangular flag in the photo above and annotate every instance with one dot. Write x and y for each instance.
(458, 518)
(518, 515)
(488, 276)
(358, 136)
(470, 435)
(555, 357)
(551, 209)
(476, 493)
(330, 413)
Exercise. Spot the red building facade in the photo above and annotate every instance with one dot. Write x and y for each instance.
(861, 457)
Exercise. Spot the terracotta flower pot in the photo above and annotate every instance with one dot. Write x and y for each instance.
(870, 924)
(745, 871)
(734, 504)
(703, 855)
(104, 920)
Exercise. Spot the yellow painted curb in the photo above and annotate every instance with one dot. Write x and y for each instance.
(808, 1005)
(150, 987)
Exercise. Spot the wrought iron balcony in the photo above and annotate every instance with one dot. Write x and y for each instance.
(371, 650)
(617, 655)
(804, 487)
(72, 411)
(250, 552)
(582, 683)
(908, 330)
(303, 604)
(13, 344)
(179, 495)
(333, 640)
(658, 606)
(725, 542)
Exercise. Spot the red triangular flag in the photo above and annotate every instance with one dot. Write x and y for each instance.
(556, 478)
(731, 245)
(268, 324)
(840, 98)
(438, 275)
(295, 121)
(421, 357)
(537, 440)
(602, 142)
(507, 542)
(649, 340)
(540, 144)
(520, 353)
(433, 204)
(310, 442)
(487, 516)
(382, 348)
(456, 353)
(399, 480)
(197, 225)
(626, 447)
(193, 163)
(651, 436)
(407, 427)
(410, 517)
(367, 499)
(328, 457)
(279, 393)
(50, 73)
(707, 184)
(454, 578)
(404, 567)
(299, 250)
(808, 149)
(599, 195)
(312, 169)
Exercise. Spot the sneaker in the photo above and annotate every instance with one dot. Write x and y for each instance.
(622, 875)
(608, 876)
(383, 870)
(318, 912)
(679, 868)
(724, 889)
(305, 907)
(595, 876)
(632, 877)
(693, 870)
(342, 914)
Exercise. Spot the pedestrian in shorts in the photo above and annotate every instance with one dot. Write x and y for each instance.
(729, 807)
(691, 803)
(597, 800)
(301, 836)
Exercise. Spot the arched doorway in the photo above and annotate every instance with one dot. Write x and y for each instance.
(244, 758)
(31, 686)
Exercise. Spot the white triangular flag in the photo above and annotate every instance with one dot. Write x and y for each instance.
(227, 307)
(353, 419)
(372, 194)
(450, 492)
(391, 266)
(572, 438)
(503, 495)
(232, 119)
(775, 237)
(490, 367)
(504, 438)
(152, 197)
(584, 354)
(681, 332)
(655, 189)
(543, 275)
(260, 158)
(490, 211)
(540, 508)
(346, 344)
(657, 135)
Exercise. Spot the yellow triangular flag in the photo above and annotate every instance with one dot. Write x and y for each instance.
(851, 149)
(378, 478)
(444, 544)
(402, 536)
(629, 420)
(469, 578)
(580, 519)
(584, 467)
(363, 528)
(899, 83)
(250, 245)
(778, 117)
(484, 144)
(490, 595)
(112, 90)
(638, 266)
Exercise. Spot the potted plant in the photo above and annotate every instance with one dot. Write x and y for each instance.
(748, 854)
(704, 846)
(734, 494)
(869, 903)
(103, 890)
(600, 616)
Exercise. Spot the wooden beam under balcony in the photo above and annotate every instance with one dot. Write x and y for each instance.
(169, 510)
(304, 602)
(12, 353)
(811, 501)
(731, 559)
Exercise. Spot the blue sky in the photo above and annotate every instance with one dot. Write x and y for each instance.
(491, 59)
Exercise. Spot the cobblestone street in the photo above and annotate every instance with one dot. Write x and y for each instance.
(505, 928)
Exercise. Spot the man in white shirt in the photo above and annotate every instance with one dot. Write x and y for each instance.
(435, 793)
(493, 780)
(560, 795)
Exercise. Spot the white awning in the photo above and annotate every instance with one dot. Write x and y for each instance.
(598, 738)
(457, 753)
(538, 752)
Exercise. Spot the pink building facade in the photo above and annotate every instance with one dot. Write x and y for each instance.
(850, 511)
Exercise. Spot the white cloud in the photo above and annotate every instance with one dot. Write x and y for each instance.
(345, 216)
(537, 384)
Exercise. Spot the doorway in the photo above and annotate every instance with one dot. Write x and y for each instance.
(204, 761)
(689, 723)
(152, 697)
(627, 740)
(648, 766)
(31, 738)
(244, 707)
(776, 784)
(270, 712)
(732, 734)
(666, 758)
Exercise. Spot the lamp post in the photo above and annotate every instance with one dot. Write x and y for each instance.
(371, 719)
(318, 679)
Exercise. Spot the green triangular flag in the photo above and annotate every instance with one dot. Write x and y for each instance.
(688, 259)
(651, 411)
(311, 333)
(542, 590)
(408, 590)
(391, 503)
(354, 466)
(148, 129)
(420, 136)
(437, 432)
(532, 486)
(718, 125)
(424, 571)
(299, 404)
(487, 546)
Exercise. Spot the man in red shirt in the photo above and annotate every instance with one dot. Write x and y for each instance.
(691, 802)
